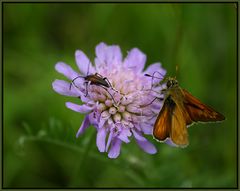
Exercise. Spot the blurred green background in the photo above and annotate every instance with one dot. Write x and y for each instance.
(40, 148)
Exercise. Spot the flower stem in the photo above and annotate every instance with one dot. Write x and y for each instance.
(83, 161)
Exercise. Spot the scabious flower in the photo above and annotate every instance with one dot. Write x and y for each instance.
(118, 112)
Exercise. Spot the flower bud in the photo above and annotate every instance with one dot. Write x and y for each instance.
(112, 110)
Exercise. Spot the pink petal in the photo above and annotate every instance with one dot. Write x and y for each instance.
(62, 87)
(170, 143)
(156, 70)
(155, 67)
(124, 135)
(101, 123)
(133, 108)
(100, 51)
(146, 128)
(66, 70)
(101, 138)
(86, 99)
(114, 54)
(115, 148)
(79, 108)
(138, 136)
(107, 55)
(83, 63)
(110, 136)
(85, 124)
(147, 146)
(135, 60)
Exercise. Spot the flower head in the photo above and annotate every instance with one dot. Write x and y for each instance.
(117, 111)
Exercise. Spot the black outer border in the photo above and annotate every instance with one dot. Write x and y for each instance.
(237, 61)
(117, 1)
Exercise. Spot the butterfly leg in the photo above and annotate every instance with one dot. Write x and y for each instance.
(160, 99)
(153, 76)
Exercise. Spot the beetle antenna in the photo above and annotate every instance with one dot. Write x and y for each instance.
(88, 68)
(73, 83)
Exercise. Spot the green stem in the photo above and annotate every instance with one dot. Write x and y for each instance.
(85, 153)
(81, 164)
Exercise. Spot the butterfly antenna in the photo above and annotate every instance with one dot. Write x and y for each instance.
(153, 76)
(177, 69)
(156, 72)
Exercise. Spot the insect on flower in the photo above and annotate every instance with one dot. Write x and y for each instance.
(95, 79)
(124, 79)
(179, 110)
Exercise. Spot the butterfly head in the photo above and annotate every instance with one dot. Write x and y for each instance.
(171, 82)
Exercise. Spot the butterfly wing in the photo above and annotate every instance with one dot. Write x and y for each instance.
(162, 125)
(179, 134)
(198, 111)
(171, 123)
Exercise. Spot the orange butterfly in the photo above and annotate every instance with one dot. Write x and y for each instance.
(179, 110)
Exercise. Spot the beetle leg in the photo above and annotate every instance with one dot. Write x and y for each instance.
(114, 102)
(86, 87)
(97, 74)
(110, 85)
